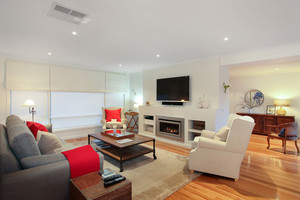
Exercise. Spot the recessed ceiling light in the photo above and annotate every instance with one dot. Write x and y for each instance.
(226, 38)
(120, 65)
(49, 53)
(74, 33)
(157, 55)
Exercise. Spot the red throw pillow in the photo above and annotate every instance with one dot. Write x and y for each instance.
(113, 114)
(35, 127)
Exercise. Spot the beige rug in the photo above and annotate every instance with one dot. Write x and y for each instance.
(153, 179)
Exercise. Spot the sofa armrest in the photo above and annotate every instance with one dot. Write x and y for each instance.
(211, 144)
(50, 181)
(207, 134)
(35, 161)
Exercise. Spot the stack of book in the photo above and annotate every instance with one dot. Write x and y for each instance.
(101, 144)
(110, 177)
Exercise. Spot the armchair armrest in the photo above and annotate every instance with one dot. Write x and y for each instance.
(208, 134)
(211, 144)
(44, 182)
(275, 128)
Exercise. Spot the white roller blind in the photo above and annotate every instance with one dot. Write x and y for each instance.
(79, 80)
(114, 100)
(76, 109)
(26, 76)
(117, 82)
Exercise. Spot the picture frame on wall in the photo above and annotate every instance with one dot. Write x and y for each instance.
(271, 109)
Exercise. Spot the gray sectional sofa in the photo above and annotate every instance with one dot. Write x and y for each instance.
(27, 174)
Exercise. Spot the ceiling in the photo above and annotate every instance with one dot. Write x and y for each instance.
(131, 33)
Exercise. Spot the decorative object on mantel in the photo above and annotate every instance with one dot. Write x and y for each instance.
(148, 103)
(226, 87)
(30, 103)
(281, 103)
(203, 102)
(271, 109)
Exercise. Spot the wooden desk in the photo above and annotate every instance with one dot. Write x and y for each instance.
(134, 117)
(90, 186)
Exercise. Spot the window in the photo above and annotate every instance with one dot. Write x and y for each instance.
(40, 98)
(75, 109)
(114, 100)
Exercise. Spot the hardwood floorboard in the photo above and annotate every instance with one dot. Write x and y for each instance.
(265, 174)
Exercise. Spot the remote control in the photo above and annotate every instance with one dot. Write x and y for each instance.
(112, 177)
(117, 180)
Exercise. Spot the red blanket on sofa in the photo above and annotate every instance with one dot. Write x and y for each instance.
(82, 160)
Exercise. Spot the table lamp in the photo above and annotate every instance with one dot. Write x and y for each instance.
(281, 103)
(30, 103)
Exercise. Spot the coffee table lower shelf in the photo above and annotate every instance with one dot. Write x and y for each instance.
(123, 154)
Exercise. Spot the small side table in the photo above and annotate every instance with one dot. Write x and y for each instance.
(90, 186)
(134, 117)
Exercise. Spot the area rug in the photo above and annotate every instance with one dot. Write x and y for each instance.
(153, 179)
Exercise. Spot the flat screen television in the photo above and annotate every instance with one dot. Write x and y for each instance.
(175, 89)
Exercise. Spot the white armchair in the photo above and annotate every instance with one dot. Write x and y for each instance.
(219, 157)
(109, 125)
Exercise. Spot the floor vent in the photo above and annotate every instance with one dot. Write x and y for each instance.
(64, 13)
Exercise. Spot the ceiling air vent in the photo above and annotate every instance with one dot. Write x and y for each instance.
(59, 11)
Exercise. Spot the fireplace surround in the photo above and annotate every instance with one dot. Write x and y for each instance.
(170, 127)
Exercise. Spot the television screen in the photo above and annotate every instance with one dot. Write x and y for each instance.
(176, 89)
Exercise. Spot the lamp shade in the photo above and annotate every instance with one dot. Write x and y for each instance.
(281, 102)
(29, 103)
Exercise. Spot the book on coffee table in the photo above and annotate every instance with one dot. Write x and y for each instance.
(123, 141)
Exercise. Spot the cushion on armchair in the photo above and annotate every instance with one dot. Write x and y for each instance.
(113, 114)
(221, 135)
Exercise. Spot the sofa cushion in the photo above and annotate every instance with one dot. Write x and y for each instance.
(35, 161)
(221, 135)
(20, 138)
(8, 161)
(48, 143)
(35, 127)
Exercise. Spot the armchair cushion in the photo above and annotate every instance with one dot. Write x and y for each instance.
(48, 143)
(282, 133)
(208, 134)
(113, 114)
(211, 144)
(221, 135)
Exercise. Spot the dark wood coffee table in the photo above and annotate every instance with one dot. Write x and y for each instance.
(91, 186)
(126, 151)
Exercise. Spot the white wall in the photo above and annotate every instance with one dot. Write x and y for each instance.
(2, 91)
(275, 81)
(136, 89)
(204, 79)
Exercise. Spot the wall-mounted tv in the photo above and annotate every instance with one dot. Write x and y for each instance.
(175, 89)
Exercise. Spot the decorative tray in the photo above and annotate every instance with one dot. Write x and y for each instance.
(118, 135)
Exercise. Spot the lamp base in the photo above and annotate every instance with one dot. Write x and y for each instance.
(281, 111)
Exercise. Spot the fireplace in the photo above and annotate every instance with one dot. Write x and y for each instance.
(170, 127)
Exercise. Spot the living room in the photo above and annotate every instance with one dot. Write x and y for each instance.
(118, 65)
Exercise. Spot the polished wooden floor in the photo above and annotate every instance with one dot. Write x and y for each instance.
(265, 174)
